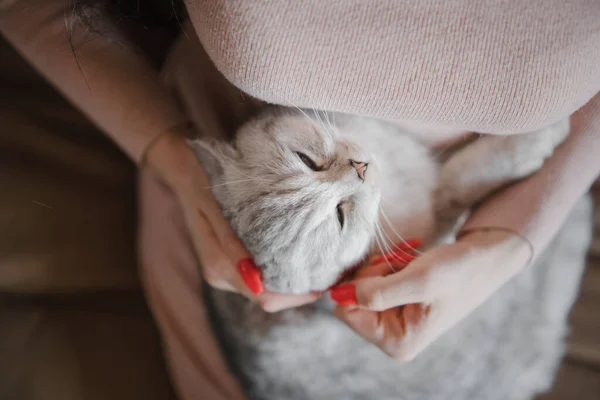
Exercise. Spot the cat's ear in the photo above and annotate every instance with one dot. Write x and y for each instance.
(214, 155)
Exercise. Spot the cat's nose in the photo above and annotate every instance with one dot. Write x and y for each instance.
(360, 167)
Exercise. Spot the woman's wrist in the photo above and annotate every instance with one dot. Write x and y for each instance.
(511, 247)
(170, 157)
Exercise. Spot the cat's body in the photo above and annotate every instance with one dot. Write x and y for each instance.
(308, 218)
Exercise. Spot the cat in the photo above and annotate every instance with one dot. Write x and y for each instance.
(312, 194)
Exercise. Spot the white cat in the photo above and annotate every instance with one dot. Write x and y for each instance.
(311, 194)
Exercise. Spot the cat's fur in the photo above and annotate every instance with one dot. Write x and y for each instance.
(287, 215)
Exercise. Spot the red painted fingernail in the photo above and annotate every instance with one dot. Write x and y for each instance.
(410, 244)
(395, 256)
(405, 258)
(344, 295)
(251, 275)
(378, 260)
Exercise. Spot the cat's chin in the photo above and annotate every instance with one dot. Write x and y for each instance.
(323, 286)
(298, 289)
(284, 289)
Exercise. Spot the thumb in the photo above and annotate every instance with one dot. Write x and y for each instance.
(220, 268)
(380, 293)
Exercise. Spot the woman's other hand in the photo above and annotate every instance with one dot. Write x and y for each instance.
(403, 312)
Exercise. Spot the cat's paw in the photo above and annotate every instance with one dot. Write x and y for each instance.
(526, 153)
(490, 163)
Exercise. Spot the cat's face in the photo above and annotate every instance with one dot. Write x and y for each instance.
(303, 200)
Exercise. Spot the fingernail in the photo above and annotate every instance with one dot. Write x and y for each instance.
(405, 258)
(378, 260)
(395, 256)
(344, 295)
(251, 275)
(410, 244)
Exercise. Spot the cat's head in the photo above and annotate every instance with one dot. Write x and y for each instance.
(303, 199)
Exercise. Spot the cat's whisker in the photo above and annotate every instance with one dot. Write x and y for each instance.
(387, 220)
(383, 252)
(317, 116)
(331, 127)
(322, 123)
(231, 182)
(237, 168)
(394, 246)
(316, 112)
(394, 243)
(241, 172)
(379, 230)
(297, 108)
(303, 112)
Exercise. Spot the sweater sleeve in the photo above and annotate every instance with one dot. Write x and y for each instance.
(536, 207)
(114, 85)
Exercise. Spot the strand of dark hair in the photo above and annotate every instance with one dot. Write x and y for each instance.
(148, 26)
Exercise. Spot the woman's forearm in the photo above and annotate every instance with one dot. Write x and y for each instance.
(537, 206)
(114, 85)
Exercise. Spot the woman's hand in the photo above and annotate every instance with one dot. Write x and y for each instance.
(403, 312)
(225, 263)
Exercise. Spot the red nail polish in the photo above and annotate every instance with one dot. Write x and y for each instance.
(378, 260)
(251, 275)
(410, 244)
(344, 295)
(401, 257)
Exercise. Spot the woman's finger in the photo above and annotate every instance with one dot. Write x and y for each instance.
(379, 293)
(207, 205)
(366, 323)
(397, 331)
(242, 276)
(273, 302)
(402, 252)
(219, 270)
(435, 273)
(382, 268)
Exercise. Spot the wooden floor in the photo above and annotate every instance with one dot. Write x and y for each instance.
(579, 377)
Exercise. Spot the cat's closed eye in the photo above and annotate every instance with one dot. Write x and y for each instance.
(340, 215)
(308, 161)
